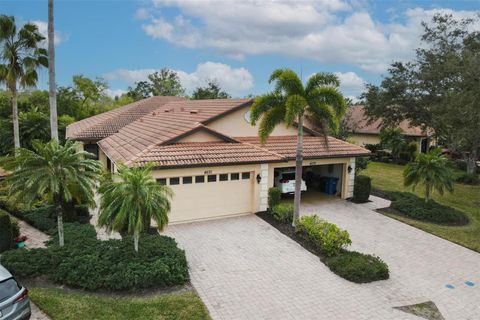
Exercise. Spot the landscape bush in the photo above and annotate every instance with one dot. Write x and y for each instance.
(414, 207)
(6, 231)
(274, 197)
(283, 212)
(361, 189)
(329, 238)
(358, 267)
(465, 178)
(87, 263)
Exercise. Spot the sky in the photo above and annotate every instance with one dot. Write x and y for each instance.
(236, 43)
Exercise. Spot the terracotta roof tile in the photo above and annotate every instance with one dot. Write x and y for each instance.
(359, 123)
(108, 123)
(313, 147)
(205, 153)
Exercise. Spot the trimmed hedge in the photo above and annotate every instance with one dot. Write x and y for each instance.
(274, 197)
(361, 189)
(283, 212)
(6, 231)
(88, 263)
(414, 207)
(326, 236)
(358, 267)
(471, 179)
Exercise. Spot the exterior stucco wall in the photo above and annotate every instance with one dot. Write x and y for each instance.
(363, 139)
(201, 136)
(234, 125)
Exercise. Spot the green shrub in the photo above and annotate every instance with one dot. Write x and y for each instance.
(283, 212)
(88, 263)
(361, 189)
(74, 232)
(6, 231)
(361, 163)
(329, 238)
(15, 227)
(416, 208)
(466, 178)
(42, 218)
(358, 267)
(274, 196)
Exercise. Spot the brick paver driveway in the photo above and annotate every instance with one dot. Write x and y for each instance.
(245, 269)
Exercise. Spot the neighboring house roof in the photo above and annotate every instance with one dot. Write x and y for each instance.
(156, 133)
(313, 147)
(359, 124)
(105, 124)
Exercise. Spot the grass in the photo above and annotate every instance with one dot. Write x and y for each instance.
(59, 304)
(466, 198)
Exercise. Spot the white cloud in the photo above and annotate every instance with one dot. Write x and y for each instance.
(351, 84)
(325, 31)
(43, 29)
(236, 81)
(115, 92)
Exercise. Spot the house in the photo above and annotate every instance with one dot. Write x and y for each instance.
(209, 153)
(363, 133)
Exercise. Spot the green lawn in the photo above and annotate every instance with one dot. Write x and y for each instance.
(59, 304)
(465, 198)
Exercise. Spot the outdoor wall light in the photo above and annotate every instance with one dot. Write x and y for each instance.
(259, 178)
(350, 169)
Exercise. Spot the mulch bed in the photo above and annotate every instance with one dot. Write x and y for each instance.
(288, 230)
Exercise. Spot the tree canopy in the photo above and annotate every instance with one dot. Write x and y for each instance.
(211, 91)
(439, 88)
(160, 83)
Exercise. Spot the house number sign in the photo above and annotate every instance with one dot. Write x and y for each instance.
(207, 172)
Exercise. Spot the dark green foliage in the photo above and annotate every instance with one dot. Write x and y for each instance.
(274, 197)
(42, 218)
(211, 91)
(466, 178)
(361, 163)
(92, 264)
(160, 83)
(358, 267)
(74, 232)
(6, 231)
(361, 189)
(283, 212)
(414, 207)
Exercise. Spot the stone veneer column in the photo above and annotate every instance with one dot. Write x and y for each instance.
(264, 187)
(351, 178)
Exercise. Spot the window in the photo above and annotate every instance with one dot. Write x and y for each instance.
(245, 175)
(93, 149)
(223, 177)
(212, 178)
(235, 176)
(187, 180)
(199, 179)
(174, 181)
(8, 289)
(162, 181)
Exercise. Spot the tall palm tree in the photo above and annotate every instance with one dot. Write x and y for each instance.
(63, 172)
(319, 100)
(131, 199)
(20, 57)
(51, 74)
(431, 169)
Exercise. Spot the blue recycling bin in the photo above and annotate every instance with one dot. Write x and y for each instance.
(330, 186)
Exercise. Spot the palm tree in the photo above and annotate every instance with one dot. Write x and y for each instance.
(319, 100)
(20, 57)
(51, 74)
(63, 172)
(131, 199)
(432, 170)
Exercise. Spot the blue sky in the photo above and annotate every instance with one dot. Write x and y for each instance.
(236, 43)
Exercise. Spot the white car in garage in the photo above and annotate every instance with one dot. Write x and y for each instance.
(285, 181)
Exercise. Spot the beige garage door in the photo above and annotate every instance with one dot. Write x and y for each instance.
(210, 196)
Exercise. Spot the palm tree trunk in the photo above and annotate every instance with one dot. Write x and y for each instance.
(298, 170)
(16, 130)
(51, 74)
(427, 192)
(57, 198)
(136, 236)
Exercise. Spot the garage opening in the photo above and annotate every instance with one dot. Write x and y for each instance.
(319, 182)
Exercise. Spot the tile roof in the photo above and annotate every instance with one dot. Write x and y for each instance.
(107, 123)
(163, 125)
(359, 123)
(206, 154)
(313, 147)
